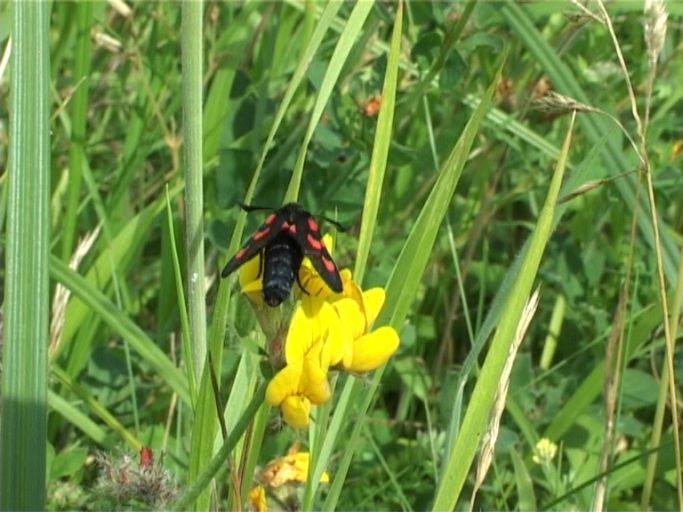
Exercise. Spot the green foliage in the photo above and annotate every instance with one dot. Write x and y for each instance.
(404, 125)
(25, 320)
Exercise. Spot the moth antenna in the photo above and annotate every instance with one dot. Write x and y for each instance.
(338, 225)
(253, 208)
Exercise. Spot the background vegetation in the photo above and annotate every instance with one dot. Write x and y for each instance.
(592, 372)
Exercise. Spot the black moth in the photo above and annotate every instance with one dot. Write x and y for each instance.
(287, 235)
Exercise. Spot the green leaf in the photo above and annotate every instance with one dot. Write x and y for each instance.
(23, 432)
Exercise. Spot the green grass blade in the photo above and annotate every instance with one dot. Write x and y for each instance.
(122, 325)
(341, 52)
(182, 307)
(405, 278)
(380, 150)
(483, 395)
(218, 104)
(97, 408)
(203, 436)
(592, 384)
(79, 106)
(523, 481)
(76, 418)
(24, 379)
(192, 59)
(116, 255)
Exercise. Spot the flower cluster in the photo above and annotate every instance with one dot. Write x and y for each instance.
(327, 331)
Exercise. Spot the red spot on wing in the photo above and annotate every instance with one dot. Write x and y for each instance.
(285, 226)
(314, 242)
(260, 234)
(312, 224)
(292, 229)
(329, 264)
(271, 218)
(240, 253)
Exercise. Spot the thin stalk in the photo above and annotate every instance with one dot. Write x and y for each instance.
(191, 61)
(24, 386)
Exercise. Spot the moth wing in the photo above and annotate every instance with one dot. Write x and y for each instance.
(257, 241)
(313, 247)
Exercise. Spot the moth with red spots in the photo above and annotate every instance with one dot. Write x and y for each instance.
(287, 236)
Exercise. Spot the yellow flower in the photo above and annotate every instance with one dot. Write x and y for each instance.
(341, 322)
(357, 312)
(295, 388)
(327, 329)
(544, 451)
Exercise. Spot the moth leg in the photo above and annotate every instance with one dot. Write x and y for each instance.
(301, 285)
(261, 264)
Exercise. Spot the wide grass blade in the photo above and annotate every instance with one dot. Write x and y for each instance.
(192, 59)
(483, 395)
(24, 379)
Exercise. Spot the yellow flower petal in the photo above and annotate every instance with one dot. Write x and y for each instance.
(313, 285)
(296, 411)
(251, 283)
(299, 336)
(373, 350)
(250, 271)
(313, 384)
(328, 240)
(257, 499)
(338, 340)
(284, 384)
(351, 289)
(306, 335)
(351, 317)
(373, 301)
(254, 292)
(311, 304)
